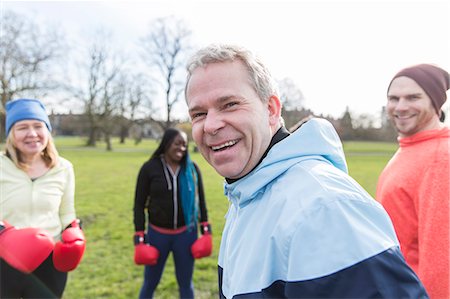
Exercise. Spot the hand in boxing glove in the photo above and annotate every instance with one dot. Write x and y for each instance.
(144, 254)
(202, 247)
(69, 251)
(26, 248)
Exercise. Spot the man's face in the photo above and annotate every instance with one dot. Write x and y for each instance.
(410, 108)
(231, 126)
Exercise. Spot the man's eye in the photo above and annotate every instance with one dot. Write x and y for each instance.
(197, 115)
(230, 104)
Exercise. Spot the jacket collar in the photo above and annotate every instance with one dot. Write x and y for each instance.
(315, 140)
(279, 135)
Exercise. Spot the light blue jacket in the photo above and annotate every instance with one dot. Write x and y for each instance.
(300, 227)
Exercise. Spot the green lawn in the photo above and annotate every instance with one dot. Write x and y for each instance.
(366, 160)
(105, 184)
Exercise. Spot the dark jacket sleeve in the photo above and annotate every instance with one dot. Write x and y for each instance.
(201, 194)
(385, 275)
(141, 196)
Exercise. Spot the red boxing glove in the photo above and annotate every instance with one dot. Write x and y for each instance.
(69, 251)
(202, 247)
(24, 249)
(144, 254)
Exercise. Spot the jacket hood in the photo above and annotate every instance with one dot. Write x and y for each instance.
(316, 139)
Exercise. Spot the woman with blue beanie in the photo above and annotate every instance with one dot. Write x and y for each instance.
(170, 188)
(40, 238)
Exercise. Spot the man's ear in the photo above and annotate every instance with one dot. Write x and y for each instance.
(274, 107)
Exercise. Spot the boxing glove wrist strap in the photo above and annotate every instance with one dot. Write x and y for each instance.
(140, 237)
(4, 226)
(75, 223)
(205, 228)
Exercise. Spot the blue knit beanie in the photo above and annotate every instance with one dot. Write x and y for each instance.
(21, 109)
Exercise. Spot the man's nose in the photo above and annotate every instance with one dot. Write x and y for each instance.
(213, 123)
(402, 104)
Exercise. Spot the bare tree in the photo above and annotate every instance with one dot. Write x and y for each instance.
(135, 94)
(290, 94)
(364, 121)
(102, 91)
(165, 49)
(28, 55)
(292, 100)
(346, 128)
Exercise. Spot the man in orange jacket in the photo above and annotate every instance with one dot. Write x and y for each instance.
(414, 186)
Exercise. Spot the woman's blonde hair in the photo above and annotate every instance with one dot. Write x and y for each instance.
(49, 154)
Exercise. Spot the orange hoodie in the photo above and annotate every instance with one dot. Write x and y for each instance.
(414, 189)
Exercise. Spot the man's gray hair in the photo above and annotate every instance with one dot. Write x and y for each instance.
(259, 75)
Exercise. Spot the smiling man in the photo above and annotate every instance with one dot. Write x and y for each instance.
(231, 125)
(414, 186)
(298, 226)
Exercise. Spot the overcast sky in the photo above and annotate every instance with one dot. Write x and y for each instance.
(339, 53)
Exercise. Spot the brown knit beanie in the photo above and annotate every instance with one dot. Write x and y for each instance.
(433, 80)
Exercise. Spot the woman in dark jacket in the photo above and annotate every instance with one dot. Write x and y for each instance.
(170, 187)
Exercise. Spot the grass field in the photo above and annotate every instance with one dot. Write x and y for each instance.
(105, 184)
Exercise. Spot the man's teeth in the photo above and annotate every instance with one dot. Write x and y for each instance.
(226, 144)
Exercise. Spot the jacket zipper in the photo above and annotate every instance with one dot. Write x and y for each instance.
(227, 249)
(172, 185)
